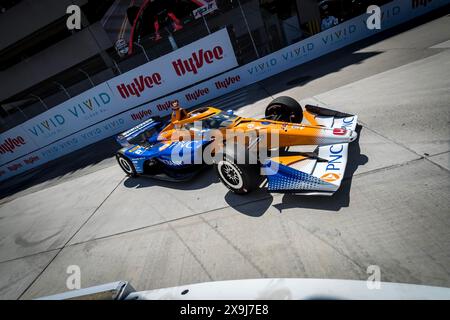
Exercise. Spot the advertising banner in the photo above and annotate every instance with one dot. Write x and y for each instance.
(73, 115)
(192, 63)
(15, 143)
(78, 121)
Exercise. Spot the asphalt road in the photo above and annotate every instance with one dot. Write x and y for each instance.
(392, 210)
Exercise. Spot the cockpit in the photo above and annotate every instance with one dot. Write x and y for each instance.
(219, 120)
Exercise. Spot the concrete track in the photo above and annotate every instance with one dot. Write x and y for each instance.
(392, 210)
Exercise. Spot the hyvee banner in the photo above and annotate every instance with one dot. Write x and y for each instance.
(322, 43)
(15, 143)
(195, 62)
(72, 115)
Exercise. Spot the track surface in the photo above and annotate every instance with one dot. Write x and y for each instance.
(392, 210)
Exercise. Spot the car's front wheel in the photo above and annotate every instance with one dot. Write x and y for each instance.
(239, 178)
(126, 165)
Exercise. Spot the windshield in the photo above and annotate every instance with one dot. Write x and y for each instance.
(144, 138)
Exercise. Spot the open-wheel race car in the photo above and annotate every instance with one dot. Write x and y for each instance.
(306, 148)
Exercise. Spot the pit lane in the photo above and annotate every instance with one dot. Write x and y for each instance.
(392, 209)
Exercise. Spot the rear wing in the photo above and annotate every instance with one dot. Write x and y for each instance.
(124, 138)
(320, 172)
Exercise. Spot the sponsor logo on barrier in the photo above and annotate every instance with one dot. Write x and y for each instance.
(31, 160)
(418, 3)
(338, 35)
(223, 84)
(138, 85)
(197, 60)
(14, 167)
(47, 125)
(387, 14)
(89, 105)
(196, 94)
(87, 108)
(163, 106)
(298, 52)
(263, 66)
(10, 144)
(339, 131)
(141, 114)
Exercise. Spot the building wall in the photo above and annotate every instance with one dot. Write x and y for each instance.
(67, 53)
(29, 16)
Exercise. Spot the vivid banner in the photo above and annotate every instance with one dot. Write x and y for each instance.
(137, 95)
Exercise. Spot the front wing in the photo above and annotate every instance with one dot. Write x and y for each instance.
(317, 174)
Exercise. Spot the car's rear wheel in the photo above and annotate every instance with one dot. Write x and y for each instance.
(285, 109)
(126, 165)
(239, 178)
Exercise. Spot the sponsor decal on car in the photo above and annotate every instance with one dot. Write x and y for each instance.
(339, 131)
(347, 122)
(336, 156)
(330, 177)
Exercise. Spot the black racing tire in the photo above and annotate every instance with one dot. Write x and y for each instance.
(285, 109)
(239, 178)
(126, 165)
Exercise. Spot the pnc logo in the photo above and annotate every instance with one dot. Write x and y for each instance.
(10, 144)
(330, 177)
(138, 85)
(197, 60)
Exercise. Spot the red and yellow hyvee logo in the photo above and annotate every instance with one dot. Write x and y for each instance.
(10, 144)
(138, 85)
(197, 60)
(330, 177)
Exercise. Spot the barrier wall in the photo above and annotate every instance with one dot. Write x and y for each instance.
(78, 122)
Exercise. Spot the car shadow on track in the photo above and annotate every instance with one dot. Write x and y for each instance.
(202, 180)
(257, 208)
(342, 197)
(253, 205)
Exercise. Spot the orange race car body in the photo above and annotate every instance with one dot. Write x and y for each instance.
(312, 153)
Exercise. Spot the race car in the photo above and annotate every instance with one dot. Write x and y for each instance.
(175, 150)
